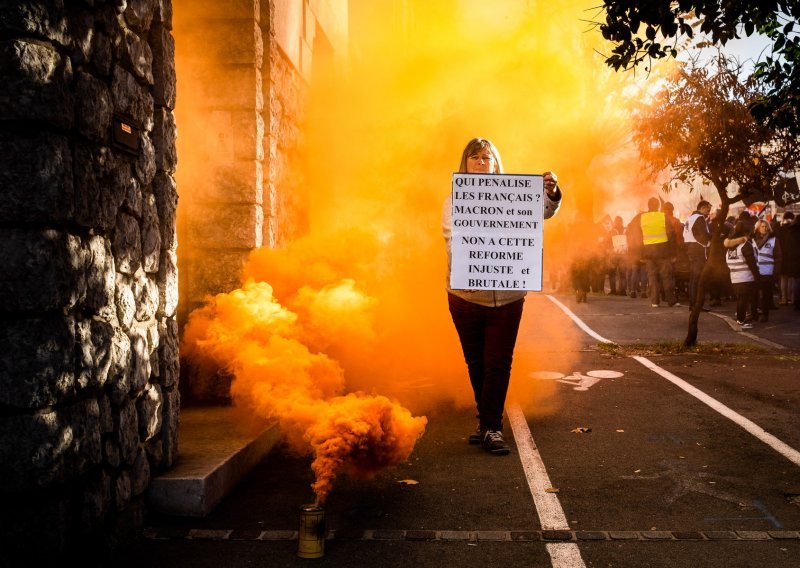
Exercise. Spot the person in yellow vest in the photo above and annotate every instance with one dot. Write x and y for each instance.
(658, 251)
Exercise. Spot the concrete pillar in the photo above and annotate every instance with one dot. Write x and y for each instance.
(220, 54)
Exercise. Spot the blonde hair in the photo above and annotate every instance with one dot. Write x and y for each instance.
(480, 144)
(759, 223)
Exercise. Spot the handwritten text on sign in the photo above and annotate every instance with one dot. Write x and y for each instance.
(497, 232)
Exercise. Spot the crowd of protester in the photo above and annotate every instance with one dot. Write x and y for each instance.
(658, 257)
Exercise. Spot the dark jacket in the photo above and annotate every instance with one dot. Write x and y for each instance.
(701, 233)
(791, 248)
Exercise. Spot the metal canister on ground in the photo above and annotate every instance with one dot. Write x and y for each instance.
(311, 536)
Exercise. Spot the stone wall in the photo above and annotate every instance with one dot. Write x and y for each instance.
(244, 68)
(89, 404)
(287, 91)
(305, 36)
(220, 54)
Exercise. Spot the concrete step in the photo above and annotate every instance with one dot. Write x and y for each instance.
(214, 454)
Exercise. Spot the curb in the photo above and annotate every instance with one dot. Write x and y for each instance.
(169, 533)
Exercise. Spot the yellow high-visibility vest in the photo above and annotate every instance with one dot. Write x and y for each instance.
(654, 228)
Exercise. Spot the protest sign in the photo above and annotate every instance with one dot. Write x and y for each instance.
(497, 232)
(620, 243)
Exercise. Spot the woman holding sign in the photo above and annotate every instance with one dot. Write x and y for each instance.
(487, 321)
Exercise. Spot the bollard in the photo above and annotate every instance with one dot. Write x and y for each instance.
(311, 536)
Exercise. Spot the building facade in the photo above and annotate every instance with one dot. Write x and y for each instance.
(97, 215)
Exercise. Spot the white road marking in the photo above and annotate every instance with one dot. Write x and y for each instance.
(546, 375)
(779, 446)
(548, 507)
(565, 554)
(585, 383)
(579, 381)
(578, 321)
(776, 444)
(605, 374)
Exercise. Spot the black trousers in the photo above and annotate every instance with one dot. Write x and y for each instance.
(487, 338)
(696, 264)
(764, 292)
(744, 298)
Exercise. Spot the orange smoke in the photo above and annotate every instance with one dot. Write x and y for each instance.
(249, 334)
(357, 304)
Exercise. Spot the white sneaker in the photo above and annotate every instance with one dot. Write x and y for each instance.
(747, 326)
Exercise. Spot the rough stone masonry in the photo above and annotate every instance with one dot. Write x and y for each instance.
(88, 278)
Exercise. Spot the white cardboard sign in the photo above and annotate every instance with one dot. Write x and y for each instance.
(497, 232)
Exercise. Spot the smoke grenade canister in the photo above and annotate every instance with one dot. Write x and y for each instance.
(311, 536)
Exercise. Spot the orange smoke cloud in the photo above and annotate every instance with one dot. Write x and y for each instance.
(357, 304)
(249, 334)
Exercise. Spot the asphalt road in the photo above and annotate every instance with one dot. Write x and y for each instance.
(662, 461)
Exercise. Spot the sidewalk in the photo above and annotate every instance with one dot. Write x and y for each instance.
(635, 321)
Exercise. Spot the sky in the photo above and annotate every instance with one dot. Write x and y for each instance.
(748, 50)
